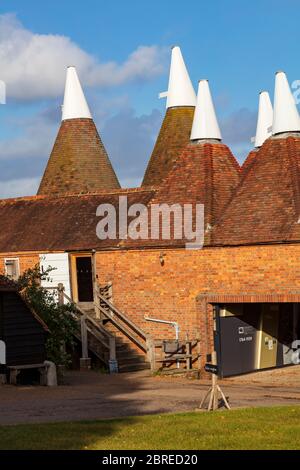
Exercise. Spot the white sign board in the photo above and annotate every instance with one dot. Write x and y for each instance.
(2, 353)
(61, 273)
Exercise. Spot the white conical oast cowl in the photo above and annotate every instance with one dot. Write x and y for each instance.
(205, 124)
(264, 119)
(286, 116)
(181, 91)
(75, 105)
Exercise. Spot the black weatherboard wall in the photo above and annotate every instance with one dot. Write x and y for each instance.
(22, 332)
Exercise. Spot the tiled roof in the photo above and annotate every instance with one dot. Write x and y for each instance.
(249, 160)
(266, 205)
(205, 173)
(59, 223)
(78, 162)
(174, 135)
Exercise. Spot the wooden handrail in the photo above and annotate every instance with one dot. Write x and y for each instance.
(118, 319)
(94, 328)
(95, 332)
(122, 328)
(88, 317)
(122, 316)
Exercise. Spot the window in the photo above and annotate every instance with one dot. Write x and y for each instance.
(12, 268)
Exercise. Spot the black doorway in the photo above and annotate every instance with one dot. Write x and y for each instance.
(84, 279)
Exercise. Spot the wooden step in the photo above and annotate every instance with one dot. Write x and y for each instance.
(128, 353)
(134, 367)
(131, 360)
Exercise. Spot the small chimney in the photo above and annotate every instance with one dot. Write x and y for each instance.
(181, 91)
(205, 124)
(264, 119)
(75, 105)
(286, 116)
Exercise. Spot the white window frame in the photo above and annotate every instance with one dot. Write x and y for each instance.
(17, 266)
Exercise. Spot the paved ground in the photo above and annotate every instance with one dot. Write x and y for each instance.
(91, 395)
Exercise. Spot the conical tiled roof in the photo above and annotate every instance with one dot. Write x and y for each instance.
(266, 205)
(176, 128)
(78, 162)
(205, 173)
(174, 135)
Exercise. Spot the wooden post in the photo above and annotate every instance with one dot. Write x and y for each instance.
(97, 304)
(214, 384)
(84, 345)
(198, 350)
(151, 352)
(85, 361)
(112, 348)
(162, 354)
(60, 290)
(188, 351)
(61, 301)
(113, 363)
(95, 284)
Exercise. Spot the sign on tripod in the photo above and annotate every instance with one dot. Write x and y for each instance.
(211, 368)
(215, 395)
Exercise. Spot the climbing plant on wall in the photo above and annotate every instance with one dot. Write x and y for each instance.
(58, 318)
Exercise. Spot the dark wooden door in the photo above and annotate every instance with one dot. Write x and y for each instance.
(84, 279)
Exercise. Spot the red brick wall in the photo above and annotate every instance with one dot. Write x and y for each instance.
(26, 260)
(178, 290)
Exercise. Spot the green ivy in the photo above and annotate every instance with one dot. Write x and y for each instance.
(58, 318)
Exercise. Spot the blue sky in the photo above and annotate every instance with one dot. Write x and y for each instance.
(237, 45)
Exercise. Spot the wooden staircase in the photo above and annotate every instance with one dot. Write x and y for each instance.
(129, 359)
(110, 335)
(131, 340)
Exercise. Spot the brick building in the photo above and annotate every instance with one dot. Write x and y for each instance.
(240, 293)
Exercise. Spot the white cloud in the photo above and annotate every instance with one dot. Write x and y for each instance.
(35, 139)
(33, 65)
(18, 187)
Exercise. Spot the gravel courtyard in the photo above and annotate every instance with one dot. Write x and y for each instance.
(91, 395)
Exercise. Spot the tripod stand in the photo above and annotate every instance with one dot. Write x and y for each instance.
(213, 393)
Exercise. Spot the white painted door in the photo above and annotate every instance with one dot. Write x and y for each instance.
(61, 274)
